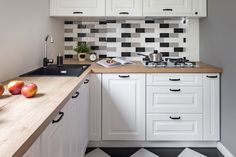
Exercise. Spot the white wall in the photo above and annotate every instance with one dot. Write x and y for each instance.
(23, 27)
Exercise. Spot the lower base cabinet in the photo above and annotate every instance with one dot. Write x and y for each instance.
(174, 127)
(67, 135)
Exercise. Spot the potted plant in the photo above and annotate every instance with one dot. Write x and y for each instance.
(82, 49)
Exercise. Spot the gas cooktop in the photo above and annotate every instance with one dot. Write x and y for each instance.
(170, 63)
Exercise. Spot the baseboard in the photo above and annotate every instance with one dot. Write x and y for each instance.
(150, 144)
(224, 150)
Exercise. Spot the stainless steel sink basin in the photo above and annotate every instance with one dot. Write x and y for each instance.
(54, 70)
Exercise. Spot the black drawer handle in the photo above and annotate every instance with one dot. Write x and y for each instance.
(124, 13)
(174, 79)
(167, 9)
(212, 76)
(59, 119)
(175, 118)
(86, 81)
(175, 90)
(76, 95)
(124, 76)
(78, 12)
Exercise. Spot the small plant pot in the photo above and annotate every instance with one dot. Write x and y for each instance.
(82, 57)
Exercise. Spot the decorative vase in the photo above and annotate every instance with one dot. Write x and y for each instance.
(81, 57)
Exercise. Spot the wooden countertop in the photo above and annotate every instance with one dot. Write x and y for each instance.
(139, 68)
(23, 120)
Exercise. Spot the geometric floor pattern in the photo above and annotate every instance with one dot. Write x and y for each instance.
(153, 152)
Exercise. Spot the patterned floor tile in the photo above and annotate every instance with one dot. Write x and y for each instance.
(190, 153)
(97, 153)
(143, 153)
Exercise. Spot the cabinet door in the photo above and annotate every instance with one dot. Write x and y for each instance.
(174, 99)
(52, 138)
(124, 7)
(95, 107)
(77, 8)
(123, 107)
(167, 7)
(199, 8)
(211, 106)
(34, 150)
(173, 127)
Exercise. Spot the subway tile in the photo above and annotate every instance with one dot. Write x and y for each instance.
(125, 54)
(68, 39)
(140, 30)
(125, 25)
(125, 44)
(178, 30)
(164, 45)
(148, 40)
(102, 39)
(94, 30)
(68, 22)
(178, 49)
(140, 49)
(81, 34)
(164, 35)
(102, 56)
(125, 35)
(165, 54)
(111, 39)
(94, 47)
(164, 25)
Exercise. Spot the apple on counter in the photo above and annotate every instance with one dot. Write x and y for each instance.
(1, 89)
(30, 90)
(14, 87)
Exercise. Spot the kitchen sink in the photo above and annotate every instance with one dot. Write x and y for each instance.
(54, 70)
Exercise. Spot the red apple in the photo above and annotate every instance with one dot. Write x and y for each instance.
(1, 89)
(15, 87)
(29, 90)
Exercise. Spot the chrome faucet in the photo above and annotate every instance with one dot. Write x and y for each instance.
(45, 59)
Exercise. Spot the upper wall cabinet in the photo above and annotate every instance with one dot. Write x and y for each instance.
(199, 8)
(77, 7)
(167, 7)
(124, 7)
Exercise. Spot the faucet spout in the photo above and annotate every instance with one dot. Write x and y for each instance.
(45, 59)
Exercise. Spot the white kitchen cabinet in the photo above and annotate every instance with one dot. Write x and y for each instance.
(123, 107)
(211, 113)
(174, 79)
(124, 7)
(199, 8)
(95, 107)
(174, 127)
(77, 7)
(53, 137)
(167, 7)
(34, 150)
(76, 136)
(174, 99)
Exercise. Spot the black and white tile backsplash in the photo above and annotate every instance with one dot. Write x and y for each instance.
(116, 38)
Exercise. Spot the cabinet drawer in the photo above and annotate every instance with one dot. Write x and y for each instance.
(174, 99)
(175, 79)
(169, 127)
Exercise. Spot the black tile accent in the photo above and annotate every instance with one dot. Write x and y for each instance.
(94, 47)
(102, 22)
(81, 35)
(178, 49)
(125, 44)
(165, 54)
(81, 26)
(125, 35)
(111, 39)
(178, 30)
(164, 25)
(125, 25)
(164, 35)
(102, 56)
(125, 54)
(68, 56)
(81, 42)
(102, 39)
(68, 22)
(111, 21)
(140, 49)
(94, 30)
(164, 44)
(149, 40)
(149, 21)
(184, 40)
(140, 30)
(68, 39)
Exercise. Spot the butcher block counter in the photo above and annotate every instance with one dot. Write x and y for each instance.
(23, 120)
